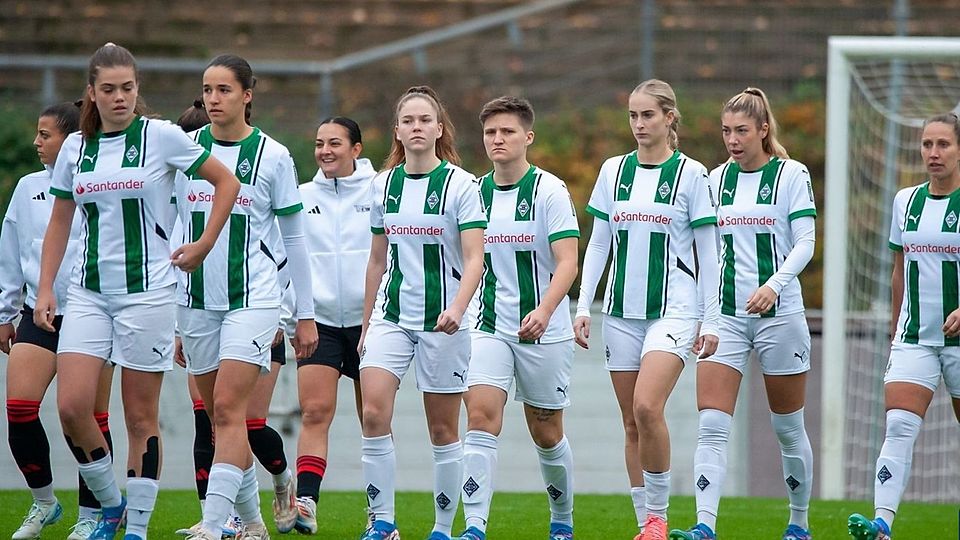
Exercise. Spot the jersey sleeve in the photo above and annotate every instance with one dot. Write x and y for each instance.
(896, 221)
(377, 189)
(61, 181)
(561, 214)
(180, 151)
(470, 214)
(701, 208)
(600, 205)
(284, 193)
(801, 194)
(11, 272)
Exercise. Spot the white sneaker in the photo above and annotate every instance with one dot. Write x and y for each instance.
(306, 516)
(285, 507)
(39, 516)
(201, 534)
(190, 531)
(82, 529)
(255, 531)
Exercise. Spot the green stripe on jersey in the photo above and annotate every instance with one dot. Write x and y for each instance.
(488, 297)
(91, 268)
(728, 278)
(237, 261)
(525, 195)
(432, 286)
(667, 183)
(198, 221)
(728, 185)
(769, 174)
(487, 186)
(911, 330)
(248, 159)
(437, 183)
(950, 289)
(915, 209)
(657, 274)
(91, 150)
(134, 139)
(527, 285)
(766, 263)
(628, 171)
(619, 274)
(391, 309)
(394, 191)
(133, 244)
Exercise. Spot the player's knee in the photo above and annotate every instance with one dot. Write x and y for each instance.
(442, 433)
(318, 414)
(647, 414)
(141, 426)
(483, 419)
(546, 436)
(375, 418)
(73, 415)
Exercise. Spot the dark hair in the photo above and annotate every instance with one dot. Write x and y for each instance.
(445, 148)
(242, 71)
(353, 130)
(194, 118)
(754, 103)
(107, 56)
(951, 119)
(509, 105)
(67, 116)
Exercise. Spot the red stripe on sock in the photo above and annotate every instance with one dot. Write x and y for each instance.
(256, 423)
(103, 421)
(311, 464)
(198, 405)
(22, 410)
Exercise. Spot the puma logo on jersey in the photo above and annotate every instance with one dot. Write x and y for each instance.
(462, 376)
(675, 340)
(563, 390)
(258, 346)
(728, 193)
(89, 158)
(394, 198)
(315, 210)
(40, 196)
(914, 219)
(626, 187)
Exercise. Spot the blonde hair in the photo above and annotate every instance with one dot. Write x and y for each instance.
(445, 148)
(753, 103)
(667, 100)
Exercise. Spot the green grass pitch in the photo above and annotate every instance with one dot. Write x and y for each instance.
(518, 516)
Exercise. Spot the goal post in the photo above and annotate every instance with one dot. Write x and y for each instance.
(879, 90)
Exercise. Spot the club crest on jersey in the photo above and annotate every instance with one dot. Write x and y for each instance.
(765, 192)
(664, 190)
(132, 153)
(433, 199)
(244, 167)
(523, 207)
(951, 219)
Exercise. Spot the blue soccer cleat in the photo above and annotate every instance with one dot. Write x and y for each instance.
(796, 532)
(862, 528)
(700, 531)
(110, 518)
(437, 535)
(560, 531)
(381, 530)
(472, 533)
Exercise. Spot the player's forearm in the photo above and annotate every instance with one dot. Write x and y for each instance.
(804, 240)
(565, 252)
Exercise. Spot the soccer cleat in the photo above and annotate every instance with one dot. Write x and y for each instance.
(796, 532)
(560, 531)
(655, 528)
(862, 528)
(131, 536)
(190, 531)
(472, 533)
(200, 534)
(254, 531)
(700, 531)
(437, 535)
(82, 529)
(285, 507)
(381, 530)
(39, 516)
(306, 516)
(232, 527)
(110, 518)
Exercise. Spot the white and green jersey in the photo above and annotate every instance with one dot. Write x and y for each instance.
(925, 229)
(755, 210)
(122, 183)
(523, 220)
(241, 269)
(422, 216)
(651, 211)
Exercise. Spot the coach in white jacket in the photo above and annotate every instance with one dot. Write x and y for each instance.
(337, 204)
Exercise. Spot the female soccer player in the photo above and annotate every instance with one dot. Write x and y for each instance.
(766, 213)
(228, 313)
(522, 318)
(119, 169)
(338, 240)
(32, 361)
(925, 319)
(426, 258)
(654, 204)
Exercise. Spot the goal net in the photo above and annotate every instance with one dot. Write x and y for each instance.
(879, 92)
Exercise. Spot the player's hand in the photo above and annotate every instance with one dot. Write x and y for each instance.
(706, 345)
(305, 339)
(951, 327)
(449, 321)
(178, 356)
(45, 310)
(188, 257)
(581, 331)
(7, 335)
(534, 324)
(761, 300)
(278, 338)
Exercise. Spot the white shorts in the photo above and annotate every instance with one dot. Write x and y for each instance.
(782, 343)
(627, 341)
(924, 365)
(244, 334)
(542, 370)
(441, 359)
(139, 325)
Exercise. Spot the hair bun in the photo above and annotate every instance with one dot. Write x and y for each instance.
(197, 104)
(78, 103)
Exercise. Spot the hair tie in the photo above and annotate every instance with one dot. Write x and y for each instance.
(78, 103)
(197, 104)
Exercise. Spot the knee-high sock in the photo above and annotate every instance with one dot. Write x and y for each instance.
(479, 467)
(797, 458)
(556, 467)
(710, 463)
(202, 448)
(310, 471)
(30, 446)
(658, 492)
(222, 490)
(639, 497)
(267, 445)
(896, 458)
(141, 498)
(379, 461)
(248, 497)
(447, 474)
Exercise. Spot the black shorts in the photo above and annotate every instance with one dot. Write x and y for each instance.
(28, 332)
(337, 348)
(278, 353)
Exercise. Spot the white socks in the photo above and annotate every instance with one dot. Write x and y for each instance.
(100, 479)
(248, 497)
(556, 466)
(479, 466)
(797, 456)
(893, 464)
(141, 498)
(280, 480)
(658, 492)
(447, 475)
(379, 462)
(639, 497)
(710, 464)
(223, 484)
